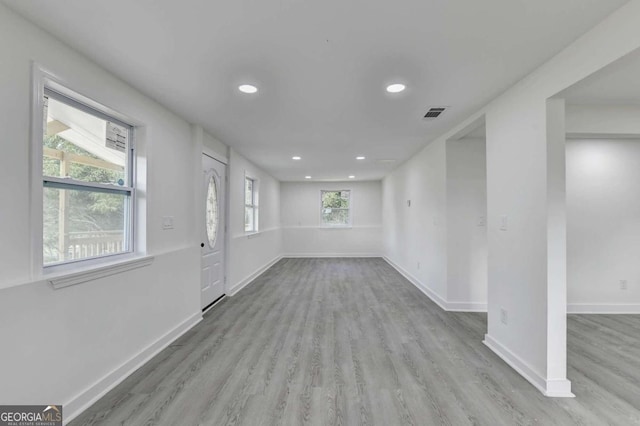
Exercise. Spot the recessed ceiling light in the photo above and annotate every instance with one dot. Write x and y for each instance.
(360, 158)
(352, 177)
(295, 157)
(307, 177)
(247, 88)
(396, 88)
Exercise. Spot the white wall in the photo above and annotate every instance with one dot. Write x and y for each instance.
(603, 224)
(518, 170)
(414, 236)
(57, 344)
(250, 254)
(466, 225)
(303, 235)
(436, 241)
(86, 337)
(613, 120)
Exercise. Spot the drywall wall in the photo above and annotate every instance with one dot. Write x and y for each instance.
(214, 146)
(591, 120)
(71, 344)
(303, 234)
(603, 225)
(414, 234)
(533, 340)
(466, 225)
(251, 253)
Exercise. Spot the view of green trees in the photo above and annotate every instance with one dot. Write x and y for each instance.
(335, 207)
(86, 212)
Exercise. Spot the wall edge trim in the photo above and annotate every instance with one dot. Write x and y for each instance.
(467, 306)
(603, 308)
(435, 297)
(233, 290)
(97, 390)
(329, 255)
(550, 388)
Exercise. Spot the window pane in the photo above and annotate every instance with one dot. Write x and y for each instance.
(256, 220)
(248, 219)
(335, 199)
(248, 191)
(212, 212)
(83, 224)
(335, 216)
(84, 147)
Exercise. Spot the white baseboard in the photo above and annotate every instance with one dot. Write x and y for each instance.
(466, 307)
(242, 284)
(437, 299)
(602, 308)
(305, 255)
(96, 391)
(550, 388)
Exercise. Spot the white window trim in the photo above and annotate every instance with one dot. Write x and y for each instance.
(91, 273)
(255, 198)
(328, 226)
(92, 268)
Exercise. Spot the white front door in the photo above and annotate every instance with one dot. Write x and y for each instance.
(213, 231)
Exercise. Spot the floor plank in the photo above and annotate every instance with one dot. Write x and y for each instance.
(351, 342)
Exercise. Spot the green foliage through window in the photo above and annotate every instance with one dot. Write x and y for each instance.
(97, 215)
(336, 208)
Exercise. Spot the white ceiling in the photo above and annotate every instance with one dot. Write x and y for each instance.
(321, 66)
(616, 84)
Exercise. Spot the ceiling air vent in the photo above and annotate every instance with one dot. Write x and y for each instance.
(434, 113)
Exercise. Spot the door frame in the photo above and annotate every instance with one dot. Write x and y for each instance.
(201, 231)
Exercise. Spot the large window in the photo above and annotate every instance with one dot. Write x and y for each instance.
(250, 205)
(336, 208)
(88, 187)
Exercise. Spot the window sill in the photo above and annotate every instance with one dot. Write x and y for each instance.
(65, 279)
(336, 227)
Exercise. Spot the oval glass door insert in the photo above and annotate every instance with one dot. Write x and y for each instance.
(212, 212)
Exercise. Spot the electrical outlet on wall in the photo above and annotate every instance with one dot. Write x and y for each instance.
(167, 222)
(418, 265)
(482, 221)
(623, 284)
(504, 316)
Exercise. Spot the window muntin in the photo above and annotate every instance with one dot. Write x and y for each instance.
(336, 208)
(87, 176)
(250, 205)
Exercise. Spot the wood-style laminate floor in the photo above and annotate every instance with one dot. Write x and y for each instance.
(350, 342)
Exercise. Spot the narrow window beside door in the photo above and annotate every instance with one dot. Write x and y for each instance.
(250, 205)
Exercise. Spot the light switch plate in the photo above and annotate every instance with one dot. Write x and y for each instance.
(504, 316)
(504, 223)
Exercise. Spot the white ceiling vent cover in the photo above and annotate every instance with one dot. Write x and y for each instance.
(435, 112)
